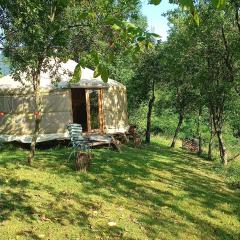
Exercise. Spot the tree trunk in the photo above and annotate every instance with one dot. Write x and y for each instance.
(34, 141)
(37, 115)
(199, 132)
(200, 144)
(237, 15)
(180, 121)
(149, 114)
(217, 117)
(210, 145)
(149, 119)
(211, 139)
(222, 149)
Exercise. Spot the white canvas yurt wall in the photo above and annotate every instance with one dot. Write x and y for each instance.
(16, 104)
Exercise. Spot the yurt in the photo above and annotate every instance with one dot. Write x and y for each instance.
(101, 108)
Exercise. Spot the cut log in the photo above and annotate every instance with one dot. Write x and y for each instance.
(83, 161)
(137, 141)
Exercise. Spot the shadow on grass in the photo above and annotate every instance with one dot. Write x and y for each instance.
(131, 175)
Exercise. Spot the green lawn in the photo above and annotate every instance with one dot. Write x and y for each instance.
(151, 193)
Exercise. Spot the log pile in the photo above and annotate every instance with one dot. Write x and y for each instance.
(116, 145)
(190, 144)
(122, 137)
(132, 132)
(137, 141)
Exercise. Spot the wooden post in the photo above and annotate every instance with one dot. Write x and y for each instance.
(88, 111)
(101, 116)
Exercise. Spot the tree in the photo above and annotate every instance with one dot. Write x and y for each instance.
(180, 71)
(34, 31)
(219, 81)
(143, 85)
(203, 66)
(214, 48)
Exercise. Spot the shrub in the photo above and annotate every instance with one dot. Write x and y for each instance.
(233, 173)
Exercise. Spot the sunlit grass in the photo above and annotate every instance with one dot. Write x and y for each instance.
(147, 193)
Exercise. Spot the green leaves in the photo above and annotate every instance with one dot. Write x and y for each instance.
(155, 2)
(187, 3)
(77, 74)
(155, 35)
(196, 17)
(116, 27)
(97, 71)
(102, 71)
(219, 4)
(95, 57)
(105, 74)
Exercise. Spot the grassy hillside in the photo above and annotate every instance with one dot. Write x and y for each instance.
(151, 193)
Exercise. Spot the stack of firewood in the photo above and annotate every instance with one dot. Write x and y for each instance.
(122, 137)
(135, 136)
(190, 144)
(116, 144)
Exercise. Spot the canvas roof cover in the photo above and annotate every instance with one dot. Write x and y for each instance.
(64, 75)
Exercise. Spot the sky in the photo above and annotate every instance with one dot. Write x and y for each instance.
(156, 22)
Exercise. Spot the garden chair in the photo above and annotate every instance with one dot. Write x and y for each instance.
(78, 141)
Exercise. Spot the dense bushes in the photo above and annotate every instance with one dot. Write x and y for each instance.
(164, 122)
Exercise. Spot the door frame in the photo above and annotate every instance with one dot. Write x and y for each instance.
(101, 114)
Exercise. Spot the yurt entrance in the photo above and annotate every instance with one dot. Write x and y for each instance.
(87, 109)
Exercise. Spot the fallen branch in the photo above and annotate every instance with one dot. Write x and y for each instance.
(234, 158)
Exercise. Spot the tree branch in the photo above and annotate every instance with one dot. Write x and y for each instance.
(234, 157)
(228, 57)
(237, 16)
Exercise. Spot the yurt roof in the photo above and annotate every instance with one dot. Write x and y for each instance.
(64, 73)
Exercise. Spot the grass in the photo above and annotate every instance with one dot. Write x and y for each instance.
(151, 193)
(232, 173)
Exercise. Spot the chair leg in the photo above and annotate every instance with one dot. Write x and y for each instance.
(73, 152)
(82, 147)
(70, 156)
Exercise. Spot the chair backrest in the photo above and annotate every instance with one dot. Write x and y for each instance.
(75, 133)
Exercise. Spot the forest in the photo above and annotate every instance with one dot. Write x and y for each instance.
(186, 88)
